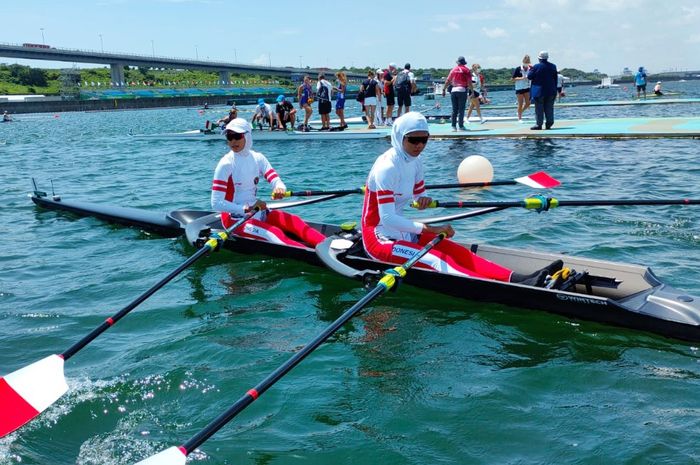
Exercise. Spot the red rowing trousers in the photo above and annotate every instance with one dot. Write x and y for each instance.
(446, 257)
(274, 227)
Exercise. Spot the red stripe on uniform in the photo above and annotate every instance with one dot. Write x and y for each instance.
(418, 191)
(272, 178)
(218, 182)
(385, 192)
(386, 200)
(418, 184)
(217, 188)
(15, 410)
(253, 393)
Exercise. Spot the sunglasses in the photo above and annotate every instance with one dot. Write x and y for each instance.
(232, 135)
(415, 140)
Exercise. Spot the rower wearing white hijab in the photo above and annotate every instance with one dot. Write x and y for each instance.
(396, 180)
(234, 192)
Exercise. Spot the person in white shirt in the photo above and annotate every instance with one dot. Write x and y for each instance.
(264, 115)
(235, 187)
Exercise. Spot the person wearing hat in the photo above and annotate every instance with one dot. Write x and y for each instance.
(285, 113)
(543, 90)
(235, 187)
(460, 79)
(387, 78)
(405, 84)
(657, 89)
(640, 80)
(263, 114)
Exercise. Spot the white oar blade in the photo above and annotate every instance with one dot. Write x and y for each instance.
(27, 392)
(170, 456)
(539, 180)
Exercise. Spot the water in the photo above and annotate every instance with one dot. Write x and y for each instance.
(420, 379)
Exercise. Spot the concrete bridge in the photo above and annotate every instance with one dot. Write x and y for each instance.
(117, 61)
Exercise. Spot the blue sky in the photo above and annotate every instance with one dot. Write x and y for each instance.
(585, 34)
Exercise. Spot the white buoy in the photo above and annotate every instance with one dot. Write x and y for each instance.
(475, 168)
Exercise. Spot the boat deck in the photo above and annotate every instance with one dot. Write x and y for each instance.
(683, 127)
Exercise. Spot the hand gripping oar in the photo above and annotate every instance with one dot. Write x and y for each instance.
(541, 203)
(178, 455)
(27, 392)
(539, 180)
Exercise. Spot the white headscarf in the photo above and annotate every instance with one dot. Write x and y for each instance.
(240, 125)
(404, 125)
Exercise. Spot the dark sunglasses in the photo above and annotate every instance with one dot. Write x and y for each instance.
(415, 140)
(232, 135)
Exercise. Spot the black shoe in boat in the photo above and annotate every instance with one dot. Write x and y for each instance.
(538, 278)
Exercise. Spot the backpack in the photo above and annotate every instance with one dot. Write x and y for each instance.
(403, 82)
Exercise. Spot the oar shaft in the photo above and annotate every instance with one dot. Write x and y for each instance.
(109, 322)
(331, 192)
(583, 203)
(250, 396)
(539, 203)
(210, 245)
(386, 283)
(471, 184)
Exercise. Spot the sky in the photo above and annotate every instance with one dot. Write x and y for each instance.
(606, 35)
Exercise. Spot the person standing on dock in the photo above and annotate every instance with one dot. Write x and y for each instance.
(323, 95)
(543, 90)
(305, 98)
(460, 78)
(388, 80)
(522, 86)
(404, 85)
(640, 80)
(341, 90)
(476, 93)
(235, 187)
(395, 181)
(370, 88)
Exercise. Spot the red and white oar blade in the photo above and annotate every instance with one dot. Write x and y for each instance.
(170, 456)
(27, 392)
(539, 180)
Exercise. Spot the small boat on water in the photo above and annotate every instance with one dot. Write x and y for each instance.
(606, 83)
(613, 293)
(266, 135)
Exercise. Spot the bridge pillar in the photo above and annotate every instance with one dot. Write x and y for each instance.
(225, 76)
(117, 74)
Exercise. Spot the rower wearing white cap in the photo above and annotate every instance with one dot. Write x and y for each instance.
(235, 187)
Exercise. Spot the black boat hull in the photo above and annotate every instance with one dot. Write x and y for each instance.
(641, 302)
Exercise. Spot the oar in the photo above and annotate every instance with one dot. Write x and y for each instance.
(27, 392)
(541, 203)
(178, 455)
(539, 180)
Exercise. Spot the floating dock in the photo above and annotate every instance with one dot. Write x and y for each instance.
(605, 103)
(613, 128)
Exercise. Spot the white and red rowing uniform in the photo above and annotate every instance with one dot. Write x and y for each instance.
(395, 180)
(235, 188)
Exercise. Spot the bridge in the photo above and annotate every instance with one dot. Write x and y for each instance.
(117, 62)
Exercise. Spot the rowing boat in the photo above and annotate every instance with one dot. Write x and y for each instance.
(265, 135)
(613, 293)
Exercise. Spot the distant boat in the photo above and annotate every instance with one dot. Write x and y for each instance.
(606, 83)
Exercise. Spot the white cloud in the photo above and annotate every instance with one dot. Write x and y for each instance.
(449, 27)
(494, 33)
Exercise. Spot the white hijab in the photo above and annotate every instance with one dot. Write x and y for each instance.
(404, 125)
(239, 125)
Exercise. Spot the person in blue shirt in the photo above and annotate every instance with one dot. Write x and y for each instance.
(640, 80)
(543, 90)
